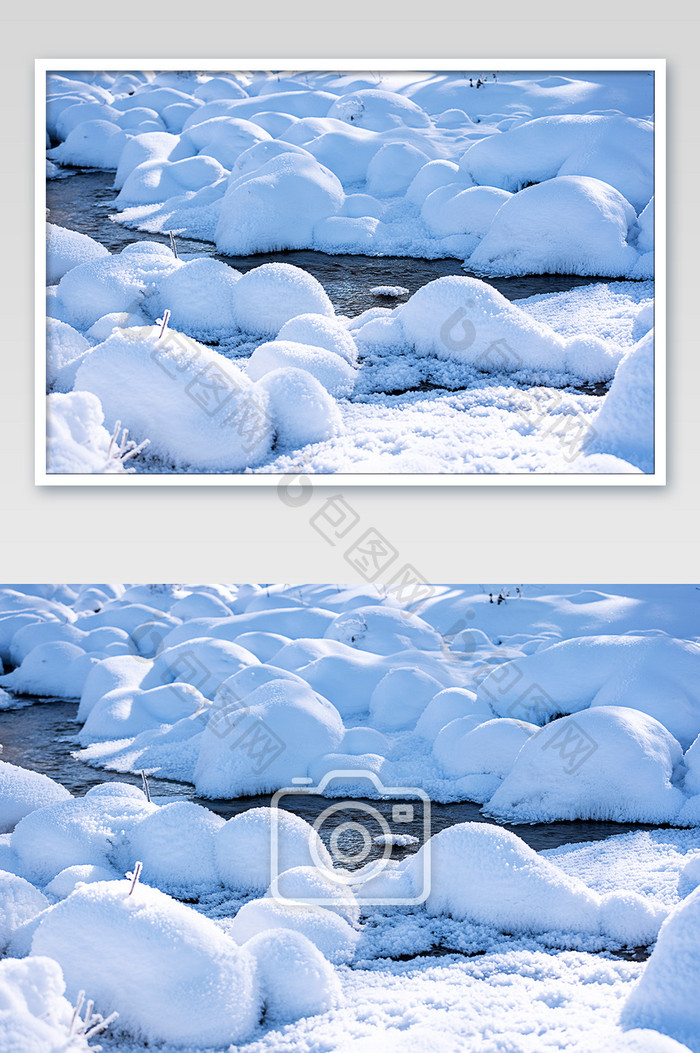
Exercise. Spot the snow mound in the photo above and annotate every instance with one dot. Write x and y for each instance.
(453, 210)
(72, 877)
(76, 441)
(277, 206)
(23, 791)
(489, 876)
(379, 110)
(567, 225)
(329, 369)
(205, 662)
(657, 675)
(65, 347)
(50, 669)
(689, 877)
(489, 748)
(91, 144)
(126, 712)
(359, 740)
(433, 175)
(19, 903)
(268, 296)
(294, 978)
(448, 705)
(469, 321)
(383, 630)
(665, 999)
(393, 168)
(199, 296)
(333, 937)
(92, 830)
(630, 919)
(254, 157)
(176, 846)
(34, 1015)
(302, 408)
(222, 137)
(66, 249)
(152, 182)
(263, 742)
(146, 146)
(106, 325)
(120, 671)
(318, 330)
(607, 763)
(115, 284)
(400, 698)
(198, 409)
(312, 885)
(624, 424)
(243, 848)
(152, 959)
(615, 150)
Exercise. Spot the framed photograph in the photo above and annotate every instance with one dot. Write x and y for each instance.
(446, 272)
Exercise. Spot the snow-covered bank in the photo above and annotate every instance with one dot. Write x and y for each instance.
(289, 385)
(518, 705)
(390, 164)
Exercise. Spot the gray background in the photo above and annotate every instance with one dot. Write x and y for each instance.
(474, 533)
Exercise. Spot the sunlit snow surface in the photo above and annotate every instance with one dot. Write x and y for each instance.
(516, 174)
(477, 695)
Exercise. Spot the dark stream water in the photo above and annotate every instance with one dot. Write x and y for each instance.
(84, 201)
(43, 737)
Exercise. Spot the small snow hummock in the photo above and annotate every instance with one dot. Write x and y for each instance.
(243, 848)
(20, 902)
(607, 763)
(298, 725)
(400, 840)
(77, 442)
(665, 999)
(35, 1017)
(198, 409)
(390, 291)
(330, 933)
(23, 791)
(138, 951)
(295, 979)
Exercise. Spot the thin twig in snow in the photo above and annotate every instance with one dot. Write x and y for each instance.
(135, 876)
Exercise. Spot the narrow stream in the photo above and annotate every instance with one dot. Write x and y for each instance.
(43, 736)
(84, 201)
